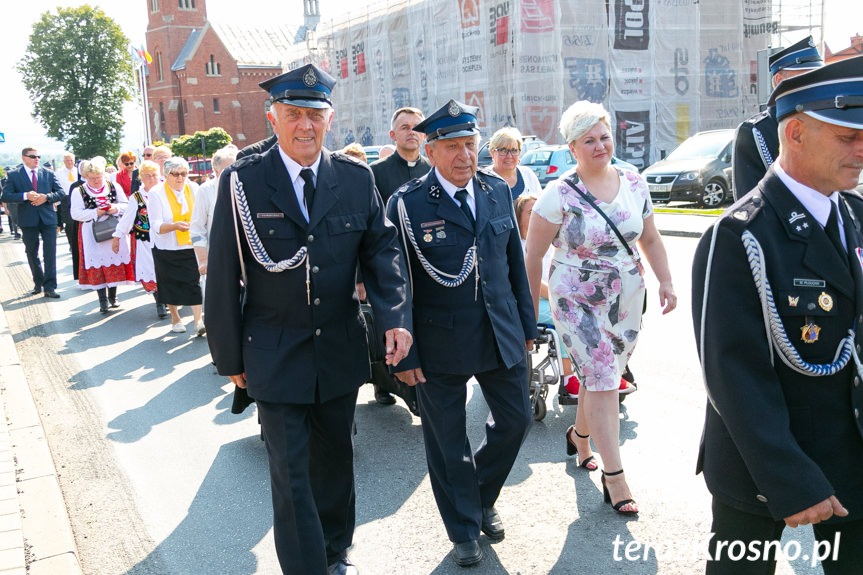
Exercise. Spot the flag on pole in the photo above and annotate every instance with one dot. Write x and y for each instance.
(145, 55)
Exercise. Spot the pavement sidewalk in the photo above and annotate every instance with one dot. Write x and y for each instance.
(35, 534)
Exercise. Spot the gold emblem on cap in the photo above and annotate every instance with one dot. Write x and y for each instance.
(454, 109)
(825, 301)
(810, 333)
(310, 78)
(792, 301)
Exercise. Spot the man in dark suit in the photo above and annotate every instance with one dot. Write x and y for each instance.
(756, 142)
(474, 318)
(298, 342)
(778, 310)
(35, 190)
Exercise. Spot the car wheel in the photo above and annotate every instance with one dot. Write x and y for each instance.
(713, 194)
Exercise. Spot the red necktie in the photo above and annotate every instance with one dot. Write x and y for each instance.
(34, 180)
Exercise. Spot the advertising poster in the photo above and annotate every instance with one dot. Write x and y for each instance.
(538, 72)
(584, 51)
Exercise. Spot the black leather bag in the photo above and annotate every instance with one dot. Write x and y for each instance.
(381, 375)
(103, 228)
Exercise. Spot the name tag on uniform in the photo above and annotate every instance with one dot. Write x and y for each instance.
(268, 215)
(800, 282)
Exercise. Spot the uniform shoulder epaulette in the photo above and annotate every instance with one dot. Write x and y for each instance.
(408, 187)
(853, 196)
(348, 159)
(485, 171)
(744, 211)
(246, 161)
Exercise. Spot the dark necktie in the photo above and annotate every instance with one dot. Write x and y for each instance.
(33, 179)
(308, 188)
(461, 196)
(832, 229)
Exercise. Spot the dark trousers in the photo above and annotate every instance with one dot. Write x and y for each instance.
(733, 525)
(312, 476)
(71, 229)
(12, 215)
(464, 482)
(46, 280)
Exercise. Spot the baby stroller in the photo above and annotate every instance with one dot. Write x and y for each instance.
(549, 371)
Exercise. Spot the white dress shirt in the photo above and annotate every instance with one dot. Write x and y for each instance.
(814, 201)
(294, 171)
(451, 189)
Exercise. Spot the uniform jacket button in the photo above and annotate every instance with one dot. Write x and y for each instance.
(317, 301)
(856, 381)
(250, 338)
(348, 224)
(311, 238)
(761, 498)
(856, 413)
(318, 331)
(315, 269)
(272, 232)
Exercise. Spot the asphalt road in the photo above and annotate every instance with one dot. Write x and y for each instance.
(160, 478)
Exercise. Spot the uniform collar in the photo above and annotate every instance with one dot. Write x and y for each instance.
(294, 168)
(814, 201)
(451, 188)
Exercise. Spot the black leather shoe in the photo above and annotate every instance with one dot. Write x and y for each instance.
(467, 553)
(36, 290)
(383, 397)
(161, 310)
(52, 294)
(114, 303)
(342, 567)
(492, 525)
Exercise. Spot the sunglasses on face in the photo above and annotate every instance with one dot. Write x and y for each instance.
(178, 174)
(32, 157)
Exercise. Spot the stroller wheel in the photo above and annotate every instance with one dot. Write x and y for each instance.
(539, 409)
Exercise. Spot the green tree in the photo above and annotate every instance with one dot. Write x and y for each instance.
(191, 145)
(78, 72)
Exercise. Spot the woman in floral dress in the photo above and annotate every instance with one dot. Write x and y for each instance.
(596, 287)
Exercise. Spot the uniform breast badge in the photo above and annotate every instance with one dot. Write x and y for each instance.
(427, 237)
(793, 301)
(810, 332)
(825, 301)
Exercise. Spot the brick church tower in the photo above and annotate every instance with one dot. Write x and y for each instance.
(205, 74)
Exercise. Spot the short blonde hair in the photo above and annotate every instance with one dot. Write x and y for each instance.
(93, 166)
(355, 150)
(579, 118)
(148, 167)
(162, 150)
(505, 137)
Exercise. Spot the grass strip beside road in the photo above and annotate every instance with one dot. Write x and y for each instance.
(693, 211)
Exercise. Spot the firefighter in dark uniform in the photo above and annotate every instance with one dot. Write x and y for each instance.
(305, 216)
(778, 313)
(756, 142)
(473, 317)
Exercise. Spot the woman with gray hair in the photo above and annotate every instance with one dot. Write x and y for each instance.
(505, 147)
(205, 203)
(100, 268)
(594, 217)
(169, 208)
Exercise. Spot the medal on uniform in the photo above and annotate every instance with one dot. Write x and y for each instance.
(440, 234)
(825, 301)
(427, 238)
(810, 333)
(792, 301)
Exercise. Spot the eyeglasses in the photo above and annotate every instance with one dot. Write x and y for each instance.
(129, 163)
(32, 157)
(178, 174)
(508, 151)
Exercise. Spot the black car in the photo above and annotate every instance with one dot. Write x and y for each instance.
(699, 170)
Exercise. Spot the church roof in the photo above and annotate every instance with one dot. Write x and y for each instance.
(251, 47)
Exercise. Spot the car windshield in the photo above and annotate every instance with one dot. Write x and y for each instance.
(701, 146)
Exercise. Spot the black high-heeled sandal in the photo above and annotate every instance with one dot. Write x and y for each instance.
(571, 449)
(606, 496)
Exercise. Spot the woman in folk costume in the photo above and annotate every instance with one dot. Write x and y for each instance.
(137, 222)
(170, 210)
(99, 267)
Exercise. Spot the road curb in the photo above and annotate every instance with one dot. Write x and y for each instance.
(35, 533)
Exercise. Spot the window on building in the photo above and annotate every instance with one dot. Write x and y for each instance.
(185, 108)
(213, 68)
(162, 115)
(216, 106)
(186, 4)
(159, 61)
(154, 5)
